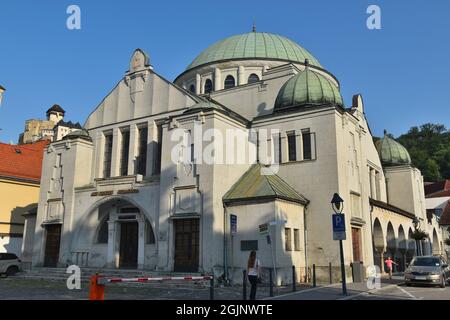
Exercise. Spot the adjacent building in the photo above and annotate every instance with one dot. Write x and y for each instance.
(20, 173)
(251, 140)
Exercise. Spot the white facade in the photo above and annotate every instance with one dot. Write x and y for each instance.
(120, 201)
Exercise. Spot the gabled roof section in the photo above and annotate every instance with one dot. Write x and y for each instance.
(22, 162)
(255, 185)
(445, 217)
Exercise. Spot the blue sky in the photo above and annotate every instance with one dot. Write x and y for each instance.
(401, 70)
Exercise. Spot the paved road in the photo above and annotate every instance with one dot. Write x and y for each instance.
(390, 290)
(402, 292)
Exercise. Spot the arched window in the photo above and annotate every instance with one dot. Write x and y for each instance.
(253, 78)
(192, 88)
(149, 235)
(102, 236)
(229, 82)
(208, 86)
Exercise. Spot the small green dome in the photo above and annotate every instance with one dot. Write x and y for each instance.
(254, 45)
(80, 133)
(391, 152)
(308, 88)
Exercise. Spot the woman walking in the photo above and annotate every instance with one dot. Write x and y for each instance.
(253, 271)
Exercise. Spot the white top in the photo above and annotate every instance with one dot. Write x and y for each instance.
(254, 271)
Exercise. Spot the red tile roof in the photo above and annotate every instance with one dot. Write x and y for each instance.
(445, 217)
(22, 161)
(436, 187)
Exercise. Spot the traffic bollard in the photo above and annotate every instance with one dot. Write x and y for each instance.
(244, 285)
(294, 279)
(314, 276)
(211, 288)
(270, 282)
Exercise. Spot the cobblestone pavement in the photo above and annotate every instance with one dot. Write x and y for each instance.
(31, 289)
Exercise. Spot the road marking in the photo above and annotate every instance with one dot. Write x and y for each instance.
(407, 293)
(301, 291)
(366, 293)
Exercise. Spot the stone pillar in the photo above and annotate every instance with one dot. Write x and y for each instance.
(217, 79)
(284, 148)
(373, 186)
(133, 149)
(141, 243)
(111, 261)
(151, 147)
(299, 145)
(242, 79)
(115, 159)
(99, 145)
(198, 84)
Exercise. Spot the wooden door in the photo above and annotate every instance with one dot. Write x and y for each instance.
(356, 240)
(52, 244)
(128, 253)
(186, 245)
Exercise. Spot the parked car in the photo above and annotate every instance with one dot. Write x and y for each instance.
(10, 264)
(432, 270)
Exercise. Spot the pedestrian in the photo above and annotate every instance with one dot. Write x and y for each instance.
(389, 262)
(253, 272)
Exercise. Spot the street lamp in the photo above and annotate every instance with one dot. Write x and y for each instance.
(1, 94)
(416, 223)
(338, 205)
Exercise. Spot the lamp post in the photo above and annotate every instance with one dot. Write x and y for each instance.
(338, 205)
(416, 223)
(1, 94)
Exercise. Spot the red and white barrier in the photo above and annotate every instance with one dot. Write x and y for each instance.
(97, 284)
(115, 280)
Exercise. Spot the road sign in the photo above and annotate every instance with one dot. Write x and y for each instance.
(264, 229)
(233, 224)
(277, 222)
(338, 227)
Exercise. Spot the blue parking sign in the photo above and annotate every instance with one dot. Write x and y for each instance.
(339, 227)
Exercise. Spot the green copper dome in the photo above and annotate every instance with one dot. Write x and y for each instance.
(391, 152)
(254, 45)
(308, 88)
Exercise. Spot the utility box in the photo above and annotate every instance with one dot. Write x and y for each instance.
(358, 271)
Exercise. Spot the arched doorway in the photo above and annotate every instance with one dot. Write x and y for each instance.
(402, 249)
(116, 233)
(378, 244)
(391, 242)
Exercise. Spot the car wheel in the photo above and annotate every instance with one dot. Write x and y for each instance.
(443, 282)
(12, 271)
(408, 284)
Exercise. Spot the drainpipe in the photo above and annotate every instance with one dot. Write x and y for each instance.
(305, 233)
(225, 262)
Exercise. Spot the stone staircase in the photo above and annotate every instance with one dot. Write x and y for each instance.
(59, 274)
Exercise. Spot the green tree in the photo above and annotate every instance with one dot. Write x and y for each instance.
(429, 148)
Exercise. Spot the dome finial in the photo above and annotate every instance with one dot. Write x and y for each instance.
(254, 26)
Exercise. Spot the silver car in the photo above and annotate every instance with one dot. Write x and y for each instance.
(431, 270)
